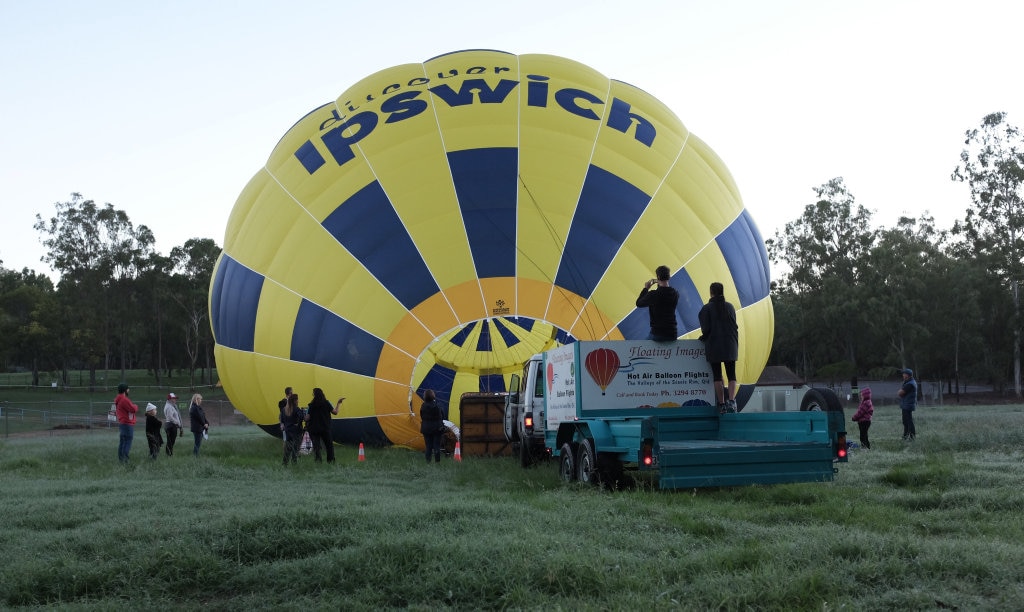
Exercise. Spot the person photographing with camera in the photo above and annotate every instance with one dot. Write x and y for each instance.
(661, 304)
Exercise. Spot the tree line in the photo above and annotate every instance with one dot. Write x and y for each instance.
(859, 301)
(118, 305)
(854, 300)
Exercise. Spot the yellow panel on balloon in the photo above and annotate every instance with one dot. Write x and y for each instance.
(276, 304)
(756, 328)
(560, 153)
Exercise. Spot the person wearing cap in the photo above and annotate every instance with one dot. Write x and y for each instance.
(908, 402)
(125, 410)
(660, 303)
(153, 427)
(172, 422)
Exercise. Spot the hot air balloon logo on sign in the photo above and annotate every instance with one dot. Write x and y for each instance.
(440, 222)
(602, 364)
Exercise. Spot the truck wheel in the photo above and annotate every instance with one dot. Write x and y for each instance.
(586, 463)
(820, 399)
(567, 463)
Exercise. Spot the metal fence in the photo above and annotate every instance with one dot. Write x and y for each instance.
(56, 417)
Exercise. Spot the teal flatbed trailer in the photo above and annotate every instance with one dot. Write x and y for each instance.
(756, 448)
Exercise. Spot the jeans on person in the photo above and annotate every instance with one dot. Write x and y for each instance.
(433, 442)
(864, 427)
(124, 444)
(909, 433)
(172, 435)
(292, 440)
(322, 438)
(198, 435)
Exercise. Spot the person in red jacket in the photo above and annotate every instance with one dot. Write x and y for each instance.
(125, 410)
(863, 416)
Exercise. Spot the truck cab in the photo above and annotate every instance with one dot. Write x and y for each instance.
(524, 413)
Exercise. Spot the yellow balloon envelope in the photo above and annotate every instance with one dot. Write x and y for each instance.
(441, 222)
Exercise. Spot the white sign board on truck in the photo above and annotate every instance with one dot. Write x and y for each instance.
(625, 375)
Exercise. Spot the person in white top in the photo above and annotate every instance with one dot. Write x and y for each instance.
(172, 422)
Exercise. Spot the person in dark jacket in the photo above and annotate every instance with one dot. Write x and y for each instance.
(153, 435)
(291, 428)
(431, 425)
(721, 338)
(318, 424)
(197, 419)
(661, 306)
(908, 402)
(863, 416)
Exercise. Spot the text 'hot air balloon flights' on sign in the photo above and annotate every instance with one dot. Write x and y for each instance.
(441, 222)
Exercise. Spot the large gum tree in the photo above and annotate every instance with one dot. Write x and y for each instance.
(992, 165)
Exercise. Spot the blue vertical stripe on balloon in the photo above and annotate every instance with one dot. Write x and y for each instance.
(636, 325)
(690, 302)
(483, 341)
(607, 211)
(524, 322)
(486, 184)
(492, 383)
(506, 334)
(747, 258)
(234, 301)
(368, 227)
(441, 380)
(460, 336)
(564, 337)
(324, 338)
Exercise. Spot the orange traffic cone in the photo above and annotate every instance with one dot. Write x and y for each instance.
(458, 452)
(362, 452)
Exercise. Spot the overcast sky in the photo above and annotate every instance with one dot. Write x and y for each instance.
(167, 109)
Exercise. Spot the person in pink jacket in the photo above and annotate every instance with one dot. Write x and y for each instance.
(125, 410)
(863, 416)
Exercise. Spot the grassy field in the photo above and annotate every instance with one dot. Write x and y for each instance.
(933, 524)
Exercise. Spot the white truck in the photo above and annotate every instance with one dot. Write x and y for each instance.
(609, 410)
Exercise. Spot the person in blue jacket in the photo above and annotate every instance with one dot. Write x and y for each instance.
(908, 402)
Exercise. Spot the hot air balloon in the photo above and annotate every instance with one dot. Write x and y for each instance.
(440, 222)
(602, 364)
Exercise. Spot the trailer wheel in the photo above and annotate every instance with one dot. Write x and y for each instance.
(820, 399)
(586, 463)
(567, 463)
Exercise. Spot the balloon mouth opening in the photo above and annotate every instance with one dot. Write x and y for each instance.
(480, 355)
